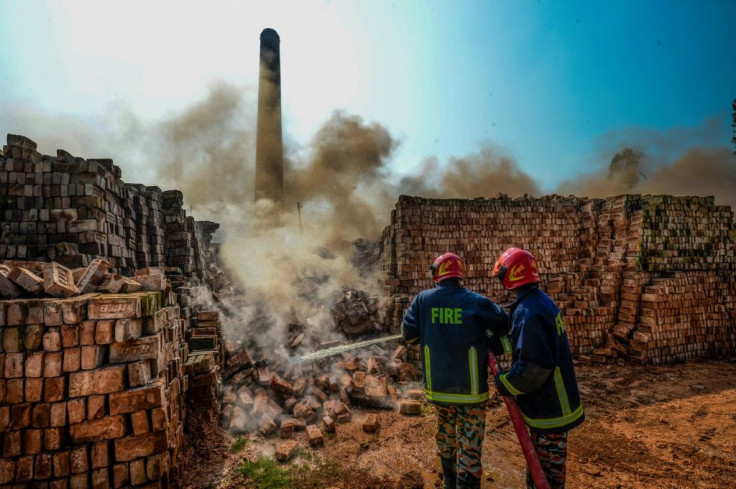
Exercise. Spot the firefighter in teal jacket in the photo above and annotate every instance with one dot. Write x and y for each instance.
(541, 376)
(454, 328)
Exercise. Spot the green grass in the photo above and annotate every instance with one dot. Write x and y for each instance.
(238, 445)
(266, 473)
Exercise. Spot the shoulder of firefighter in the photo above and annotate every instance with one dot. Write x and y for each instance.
(453, 326)
(542, 376)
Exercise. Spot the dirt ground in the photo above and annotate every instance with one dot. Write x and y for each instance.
(659, 427)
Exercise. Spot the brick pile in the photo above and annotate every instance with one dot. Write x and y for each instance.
(47, 200)
(605, 262)
(92, 388)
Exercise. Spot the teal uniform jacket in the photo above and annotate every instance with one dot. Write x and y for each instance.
(542, 376)
(452, 325)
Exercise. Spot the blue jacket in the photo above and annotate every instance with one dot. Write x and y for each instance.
(542, 376)
(452, 324)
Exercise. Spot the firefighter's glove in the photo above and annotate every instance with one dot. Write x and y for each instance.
(499, 385)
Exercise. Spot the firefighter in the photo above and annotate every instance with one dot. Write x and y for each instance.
(454, 328)
(541, 374)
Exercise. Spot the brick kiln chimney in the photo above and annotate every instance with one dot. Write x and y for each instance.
(269, 143)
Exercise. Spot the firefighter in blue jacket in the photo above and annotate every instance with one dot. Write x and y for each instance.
(541, 375)
(454, 328)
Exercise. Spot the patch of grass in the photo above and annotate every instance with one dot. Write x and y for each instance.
(238, 445)
(266, 473)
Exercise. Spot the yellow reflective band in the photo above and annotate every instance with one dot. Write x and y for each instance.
(427, 368)
(473, 361)
(561, 392)
(456, 398)
(554, 422)
(506, 343)
(513, 390)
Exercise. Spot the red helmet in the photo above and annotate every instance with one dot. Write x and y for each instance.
(516, 267)
(445, 266)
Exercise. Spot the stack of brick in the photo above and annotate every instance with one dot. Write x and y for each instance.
(47, 200)
(597, 258)
(179, 250)
(91, 390)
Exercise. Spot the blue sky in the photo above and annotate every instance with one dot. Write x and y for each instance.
(556, 86)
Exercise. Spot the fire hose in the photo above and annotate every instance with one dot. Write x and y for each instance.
(532, 461)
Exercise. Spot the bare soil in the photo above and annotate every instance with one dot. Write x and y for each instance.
(658, 427)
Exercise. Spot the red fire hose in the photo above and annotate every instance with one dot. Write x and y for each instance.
(535, 468)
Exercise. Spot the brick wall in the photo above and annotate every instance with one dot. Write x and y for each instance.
(92, 390)
(638, 278)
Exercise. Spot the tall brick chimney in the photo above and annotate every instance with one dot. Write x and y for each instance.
(269, 143)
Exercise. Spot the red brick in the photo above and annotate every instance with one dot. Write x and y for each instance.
(151, 282)
(148, 397)
(77, 410)
(52, 364)
(26, 280)
(410, 407)
(79, 481)
(139, 422)
(118, 307)
(14, 365)
(57, 416)
(314, 435)
(3, 389)
(98, 429)
(4, 418)
(52, 313)
(104, 332)
(72, 359)
(144, 348)
(120, 475)
(92, 276)
(33, 336)
(21, 414)
(15, 313)
(34, 389)
(99, 456)
(42, 470)
(69, 335)
(74, 310)
(159, 419)
(53, 439)
(52, 339)
(266, 426)
(286, 450)
(96, 407)
(14, 391)
(79, 460)
(101, 381)
(24, 469)
(87, 332)
(61, 463)
(139, 373)
(35, 311)
(112, 283)
(58, 281)
(59, 484)
(101, 479)
(133, 447)
(92, 357)
(157, 466)
(32, 441)
(41, 415)
(7, 471)
(34, 364)
(128, 329)
(137, 472)
(54, 389)
(12, 444)
(12, 339)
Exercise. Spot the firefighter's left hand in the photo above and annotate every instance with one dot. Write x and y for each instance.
(499, 385)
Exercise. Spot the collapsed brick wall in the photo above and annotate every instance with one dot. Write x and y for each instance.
(47, 200)
(638, 278)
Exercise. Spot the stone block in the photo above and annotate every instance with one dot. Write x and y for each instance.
(107, 428)
(132, 400)
(115, 307)
(102, 381)
(133, 447)
(58, 281)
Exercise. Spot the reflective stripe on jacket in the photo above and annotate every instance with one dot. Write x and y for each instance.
(451, 324)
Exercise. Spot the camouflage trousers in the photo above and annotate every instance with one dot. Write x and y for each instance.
(460, 432)
(551, 449)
